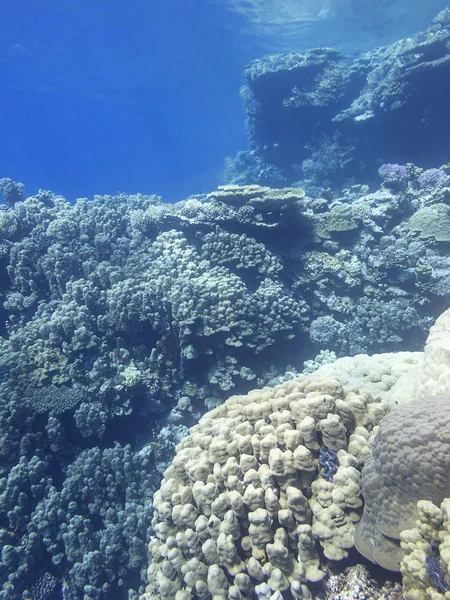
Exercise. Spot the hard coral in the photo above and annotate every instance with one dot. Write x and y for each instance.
(425, 564)
(244, 509)
(244, 506)
(260, 197)
(355, 583)
(410, 461)
(395, 177)
(432, 221)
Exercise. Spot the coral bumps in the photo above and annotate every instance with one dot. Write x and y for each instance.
(247, 510)
(244, 505)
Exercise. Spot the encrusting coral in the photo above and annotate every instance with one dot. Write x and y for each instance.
(245, 511)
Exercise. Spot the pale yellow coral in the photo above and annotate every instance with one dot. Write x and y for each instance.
(244, 506)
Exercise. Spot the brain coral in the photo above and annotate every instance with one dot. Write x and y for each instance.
(410, 461)
(244, 509)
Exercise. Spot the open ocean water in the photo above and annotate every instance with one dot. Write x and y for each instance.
(108, 96)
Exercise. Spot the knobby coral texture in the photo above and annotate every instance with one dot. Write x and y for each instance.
(245, 510)
(124, 319)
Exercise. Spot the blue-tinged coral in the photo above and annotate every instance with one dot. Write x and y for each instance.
(56, 400)
(321, 120)
(394, 177)
(45, 588)
(433, 178)
(125, 317)
(239, 252)
(373, 323)
(98, 521)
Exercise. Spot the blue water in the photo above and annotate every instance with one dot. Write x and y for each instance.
(105, 96)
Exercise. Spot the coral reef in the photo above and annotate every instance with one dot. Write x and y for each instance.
(320, 118)
(12, 192)
(98, 521)
(245, 504)
(355, 583)
(432, 221)
(246, 510)
(124, 318)
(410, 460)
(425, 562)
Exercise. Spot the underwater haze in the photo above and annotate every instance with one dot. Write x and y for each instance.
(224, 243)
(109, 96)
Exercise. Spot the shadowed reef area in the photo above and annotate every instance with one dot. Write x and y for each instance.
(318, 118)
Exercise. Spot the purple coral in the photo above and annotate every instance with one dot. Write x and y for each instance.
(395, 177)
(433, 179)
